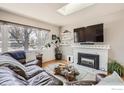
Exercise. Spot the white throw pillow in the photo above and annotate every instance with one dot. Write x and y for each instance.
(113, 79)
(11, 61)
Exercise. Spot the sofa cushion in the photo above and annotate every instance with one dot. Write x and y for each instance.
(13, 65)
(18, 55)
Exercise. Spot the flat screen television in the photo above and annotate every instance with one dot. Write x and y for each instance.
(93, 33)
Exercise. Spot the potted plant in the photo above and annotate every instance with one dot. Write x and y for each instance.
(113, 65)
(56, 43)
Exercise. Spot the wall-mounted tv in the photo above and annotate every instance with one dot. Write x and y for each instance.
(93, 33)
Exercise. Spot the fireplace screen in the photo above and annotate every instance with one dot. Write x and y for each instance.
(89, 60)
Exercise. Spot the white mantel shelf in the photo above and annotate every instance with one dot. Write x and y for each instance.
(92, 46)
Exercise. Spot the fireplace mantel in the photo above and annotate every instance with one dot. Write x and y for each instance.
(101, 50)
(91, 46)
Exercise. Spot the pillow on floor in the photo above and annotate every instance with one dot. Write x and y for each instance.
(113, 79)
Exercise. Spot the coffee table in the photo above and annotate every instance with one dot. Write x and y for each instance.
(83, 76)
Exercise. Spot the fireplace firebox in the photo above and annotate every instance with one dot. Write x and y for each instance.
(89, 60)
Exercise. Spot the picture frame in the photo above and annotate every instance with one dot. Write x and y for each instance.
(53, 37)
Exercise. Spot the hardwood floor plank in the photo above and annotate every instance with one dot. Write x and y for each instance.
(45, 64)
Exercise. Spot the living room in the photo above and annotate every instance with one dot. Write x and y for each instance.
(54, 42)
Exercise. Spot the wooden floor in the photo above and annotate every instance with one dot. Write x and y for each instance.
(54, 62)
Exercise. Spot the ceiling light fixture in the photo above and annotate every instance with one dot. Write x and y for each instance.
(73, 7)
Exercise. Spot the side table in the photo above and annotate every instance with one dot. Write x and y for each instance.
(39, 58)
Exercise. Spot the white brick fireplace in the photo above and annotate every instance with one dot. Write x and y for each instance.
(101, 50)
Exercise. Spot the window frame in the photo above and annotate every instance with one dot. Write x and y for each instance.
(5, 35)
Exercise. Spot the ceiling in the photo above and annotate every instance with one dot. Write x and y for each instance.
(47, 12)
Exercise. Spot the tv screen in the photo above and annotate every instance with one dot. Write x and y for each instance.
(92, 33)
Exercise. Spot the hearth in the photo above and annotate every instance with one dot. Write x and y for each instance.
(89, 60)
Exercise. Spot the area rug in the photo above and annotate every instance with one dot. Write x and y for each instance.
(84, 75)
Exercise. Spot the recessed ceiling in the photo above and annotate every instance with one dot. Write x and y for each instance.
(47, 12)
(73, 7)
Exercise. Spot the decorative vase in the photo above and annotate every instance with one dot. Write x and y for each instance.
(58, 56)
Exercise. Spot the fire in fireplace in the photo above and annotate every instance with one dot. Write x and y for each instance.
(89, 60)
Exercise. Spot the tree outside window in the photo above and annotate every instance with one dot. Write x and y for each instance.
(25, 37)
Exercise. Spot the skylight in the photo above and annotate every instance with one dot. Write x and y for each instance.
(73, 7)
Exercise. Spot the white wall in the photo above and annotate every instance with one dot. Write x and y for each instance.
(48, 54)
(113, 33)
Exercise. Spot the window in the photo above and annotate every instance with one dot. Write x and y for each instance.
(37, 39)
(24, 37)
(15, 38)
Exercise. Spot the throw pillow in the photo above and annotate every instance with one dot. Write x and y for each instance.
(113, 79)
